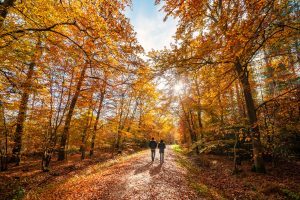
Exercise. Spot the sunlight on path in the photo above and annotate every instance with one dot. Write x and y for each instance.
(157, 181)
(135, 178)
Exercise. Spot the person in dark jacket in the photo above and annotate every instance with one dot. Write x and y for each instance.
(161, 147)
(152, 145)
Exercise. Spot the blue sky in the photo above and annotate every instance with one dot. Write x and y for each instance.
(152, 31)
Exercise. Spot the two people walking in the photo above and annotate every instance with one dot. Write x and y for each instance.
(161, 146)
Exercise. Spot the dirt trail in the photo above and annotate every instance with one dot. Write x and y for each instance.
(133, 178)
(147, 180)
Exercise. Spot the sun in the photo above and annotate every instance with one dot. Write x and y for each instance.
(178, 87)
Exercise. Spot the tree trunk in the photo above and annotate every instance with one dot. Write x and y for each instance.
(83, 141)
(120, 126)
(46, 159)
(51, 141)
(222, 109)
(199, 108)
(22, 115)
(255, 135)
(102, 95)
(190, 128)
(65, 134)
(132, 116)
(97, 121)
(194, 133)
(236, 157)
(240, 103)
(84, 133)
(4, 143)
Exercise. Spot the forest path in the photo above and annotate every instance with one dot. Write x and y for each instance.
(135, 177)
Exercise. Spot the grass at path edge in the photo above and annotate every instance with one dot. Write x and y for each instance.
(193, 172)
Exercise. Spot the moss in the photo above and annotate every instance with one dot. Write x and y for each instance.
(187, 164)
(290, 194)
(177, 148)
(200, 188)
(18, 193)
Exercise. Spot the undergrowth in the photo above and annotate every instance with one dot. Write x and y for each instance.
(177, 148)
(193, 173)
(290, 194)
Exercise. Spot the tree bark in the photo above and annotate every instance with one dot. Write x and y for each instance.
(240, 103)
(85, 129)
(199, 108)
(65, 134)
(120, 126)
(254, 129)
(51, 141)
(103, 91)
(4, 143)
(221, 108)
(132, 116)
(193, 135)
(22, 114)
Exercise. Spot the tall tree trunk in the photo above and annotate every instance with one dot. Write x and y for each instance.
(255, 134)
(190, 128)
(65, 133)
(122, 123)
(22, 114)
(222, 109)
(132, 115)
(194, 133)
(199, 108)
(85, 130)
(199, 116)
(120, 126)
(4, 143)
(102, 94)
(232, 105)
(240, 103)
(46, 158)
(51, 141)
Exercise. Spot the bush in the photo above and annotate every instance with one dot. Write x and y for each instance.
(177, 148)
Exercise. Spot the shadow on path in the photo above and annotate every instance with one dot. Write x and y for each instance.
(155, 170)
(143, 168)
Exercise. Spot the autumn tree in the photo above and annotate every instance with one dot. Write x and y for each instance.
(90, 38)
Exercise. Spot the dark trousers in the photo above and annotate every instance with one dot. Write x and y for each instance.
(152, 154)
(161, 156)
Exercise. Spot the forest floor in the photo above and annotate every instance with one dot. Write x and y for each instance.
(212, 176)
(136, 177)
(130, 177)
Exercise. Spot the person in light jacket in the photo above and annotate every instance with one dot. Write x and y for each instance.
(161, 147)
